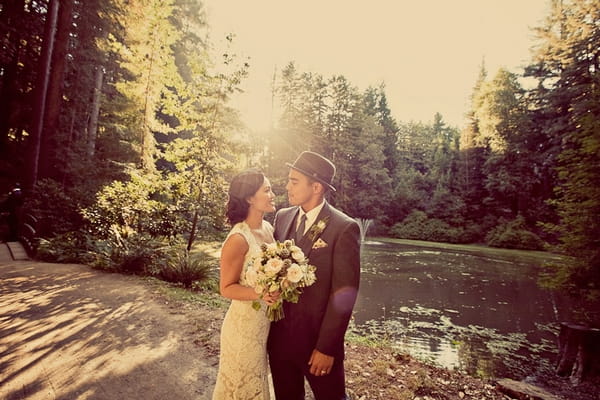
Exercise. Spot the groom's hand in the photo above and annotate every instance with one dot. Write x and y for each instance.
(320, 364)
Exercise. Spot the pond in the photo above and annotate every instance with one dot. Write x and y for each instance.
(478, 310)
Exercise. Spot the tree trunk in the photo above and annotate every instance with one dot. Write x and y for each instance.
(93, 124)
(55, 90)
(195, 219)
(11, 15)
(578, 352)
(42, 90)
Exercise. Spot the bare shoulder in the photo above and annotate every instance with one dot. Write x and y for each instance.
(235, 244)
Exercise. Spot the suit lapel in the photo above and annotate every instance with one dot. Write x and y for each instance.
(288, 222)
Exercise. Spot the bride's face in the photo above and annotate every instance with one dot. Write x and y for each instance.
(264, 198)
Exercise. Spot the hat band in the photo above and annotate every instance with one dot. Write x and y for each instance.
(319, 177)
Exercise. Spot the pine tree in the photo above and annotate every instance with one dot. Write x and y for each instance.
(566, 63)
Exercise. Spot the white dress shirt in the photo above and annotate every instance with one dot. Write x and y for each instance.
(311, 216)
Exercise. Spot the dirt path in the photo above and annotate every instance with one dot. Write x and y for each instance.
(71, 332)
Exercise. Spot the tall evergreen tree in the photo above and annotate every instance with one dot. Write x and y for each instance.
(474, 151)
(566, 64)
(290, 136)
(376, 104)
(19, 28)
(364, 181)
(501, 114)
(150, 64)
(50, 144)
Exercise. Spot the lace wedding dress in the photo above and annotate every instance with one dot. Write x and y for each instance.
(243, 366)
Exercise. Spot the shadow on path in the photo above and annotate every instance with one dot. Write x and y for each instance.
(70, 332)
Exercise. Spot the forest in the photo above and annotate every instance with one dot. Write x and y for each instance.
(116, 122)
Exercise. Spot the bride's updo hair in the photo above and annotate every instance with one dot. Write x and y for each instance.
(242, 186)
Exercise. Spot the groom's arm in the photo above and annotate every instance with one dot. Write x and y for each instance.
(344, 289)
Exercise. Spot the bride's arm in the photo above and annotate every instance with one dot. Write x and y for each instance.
(232, 262)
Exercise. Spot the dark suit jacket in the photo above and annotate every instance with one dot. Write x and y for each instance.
(321, 316)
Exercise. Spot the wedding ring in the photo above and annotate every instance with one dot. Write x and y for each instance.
(323, 372)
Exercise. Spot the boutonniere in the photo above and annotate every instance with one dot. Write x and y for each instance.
(319, 244)
(317, 228)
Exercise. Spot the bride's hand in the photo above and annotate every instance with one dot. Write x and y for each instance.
(271, 298)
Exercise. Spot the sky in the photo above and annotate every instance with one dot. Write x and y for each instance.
(427, 52)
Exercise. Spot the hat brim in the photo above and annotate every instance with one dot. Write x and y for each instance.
(312, 177)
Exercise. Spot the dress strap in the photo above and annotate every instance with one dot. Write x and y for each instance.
(243, 229)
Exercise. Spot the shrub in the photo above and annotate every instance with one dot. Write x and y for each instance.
(411, 227)
(417, 225)
(56, 208)
(133, 204)
(514, 235)
(71, 247)
(191, 270)
(128, 251)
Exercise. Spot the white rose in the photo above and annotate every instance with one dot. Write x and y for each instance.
(272, 247)
(273, 266)
(251, 277)
(298, 255)
(310, 278)
(294, 273)
(259, 289)
(260, 276)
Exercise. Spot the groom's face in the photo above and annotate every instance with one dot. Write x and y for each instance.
(300, 189)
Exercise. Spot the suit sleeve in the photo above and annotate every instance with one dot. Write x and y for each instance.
(344, 290)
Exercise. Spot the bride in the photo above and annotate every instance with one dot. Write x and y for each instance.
(243, 356)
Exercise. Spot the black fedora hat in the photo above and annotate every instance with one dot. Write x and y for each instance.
(315, 166)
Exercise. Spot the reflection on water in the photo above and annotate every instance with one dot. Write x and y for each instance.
(479, 311)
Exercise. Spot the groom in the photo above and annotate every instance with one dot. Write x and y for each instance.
(309, 340)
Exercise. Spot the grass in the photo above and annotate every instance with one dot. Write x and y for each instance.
(475, 248)
(176, 293)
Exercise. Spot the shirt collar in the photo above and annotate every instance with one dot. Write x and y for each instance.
(312, 215)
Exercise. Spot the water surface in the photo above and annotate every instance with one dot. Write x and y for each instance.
(477, 310)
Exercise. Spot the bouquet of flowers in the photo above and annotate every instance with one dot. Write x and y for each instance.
(279, 267)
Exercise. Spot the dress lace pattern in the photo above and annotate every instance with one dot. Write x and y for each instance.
(243, 367)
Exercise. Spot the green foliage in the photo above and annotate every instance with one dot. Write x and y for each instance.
(446, 205)
(477, 229)
(514, 235)
(141, 204)
(568, 104)
(362, 183)
(197, 184)
(56, 208)
(417, 146)
(126, 251)
(418, 226)
(499, 110)
(71, 247)
(332, 117)
(157, 168)
(192, 270)
(21, 29)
